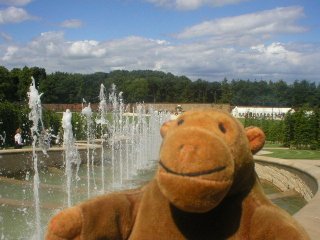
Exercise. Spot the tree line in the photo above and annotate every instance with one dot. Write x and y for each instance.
(155, 87)
(300, 129)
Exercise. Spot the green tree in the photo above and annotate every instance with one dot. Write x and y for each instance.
(226, 92)
(214, 92)
(281, 92)
(62, 88)
(182, 88)
(137, 90)
(153, 93)
(24, 83)
(303, 93)
(200, 91)
(302, 129)
(8, 86)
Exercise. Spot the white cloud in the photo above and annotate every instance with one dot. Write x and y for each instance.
(48, 44)
(209, 60)
(15, 2)
(279, 20)
(72, 23)
(87, 48)
(193, 4)
(14, 15)
(10, 52)
(229, 47)
(277, 56)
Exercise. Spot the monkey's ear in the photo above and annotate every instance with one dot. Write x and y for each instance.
(256, 138)
(165, 127)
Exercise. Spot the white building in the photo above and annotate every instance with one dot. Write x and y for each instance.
(260, 112)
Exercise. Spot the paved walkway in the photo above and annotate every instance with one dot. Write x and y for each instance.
(309, 215)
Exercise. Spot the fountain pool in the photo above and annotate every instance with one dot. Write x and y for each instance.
(124, 158)
(121, 159)
(17, 210)
(17, 207)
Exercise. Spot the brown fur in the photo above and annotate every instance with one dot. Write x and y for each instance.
(205, 188)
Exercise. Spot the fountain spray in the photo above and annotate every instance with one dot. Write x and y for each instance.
(87, 112)
(102, 121)
(37, 129)
(71, 152)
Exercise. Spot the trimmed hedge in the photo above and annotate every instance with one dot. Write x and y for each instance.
(299, 129)
(13, 116)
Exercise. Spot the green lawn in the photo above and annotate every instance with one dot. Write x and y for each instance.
(272, 145)
(294, 154)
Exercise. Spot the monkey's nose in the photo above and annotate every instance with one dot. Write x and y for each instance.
(187, 151)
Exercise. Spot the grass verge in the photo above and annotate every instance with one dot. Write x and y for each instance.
(294, 154)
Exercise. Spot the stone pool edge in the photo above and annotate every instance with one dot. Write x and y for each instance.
(309, 215)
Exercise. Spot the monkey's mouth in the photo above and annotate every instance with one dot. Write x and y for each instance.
(193, 174)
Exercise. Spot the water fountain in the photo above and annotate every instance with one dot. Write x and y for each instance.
(104, 126)
(37, 133)
(128, 145)
(71, 153)
(123, 157)
(2, 139)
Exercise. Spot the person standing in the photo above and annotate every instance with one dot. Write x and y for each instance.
(18, 139)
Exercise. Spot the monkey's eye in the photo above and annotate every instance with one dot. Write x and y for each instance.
(181, 121)
(222, 128)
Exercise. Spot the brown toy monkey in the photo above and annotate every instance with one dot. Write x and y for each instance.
(205, 188)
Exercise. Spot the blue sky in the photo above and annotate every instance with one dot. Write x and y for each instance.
(208, 39)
